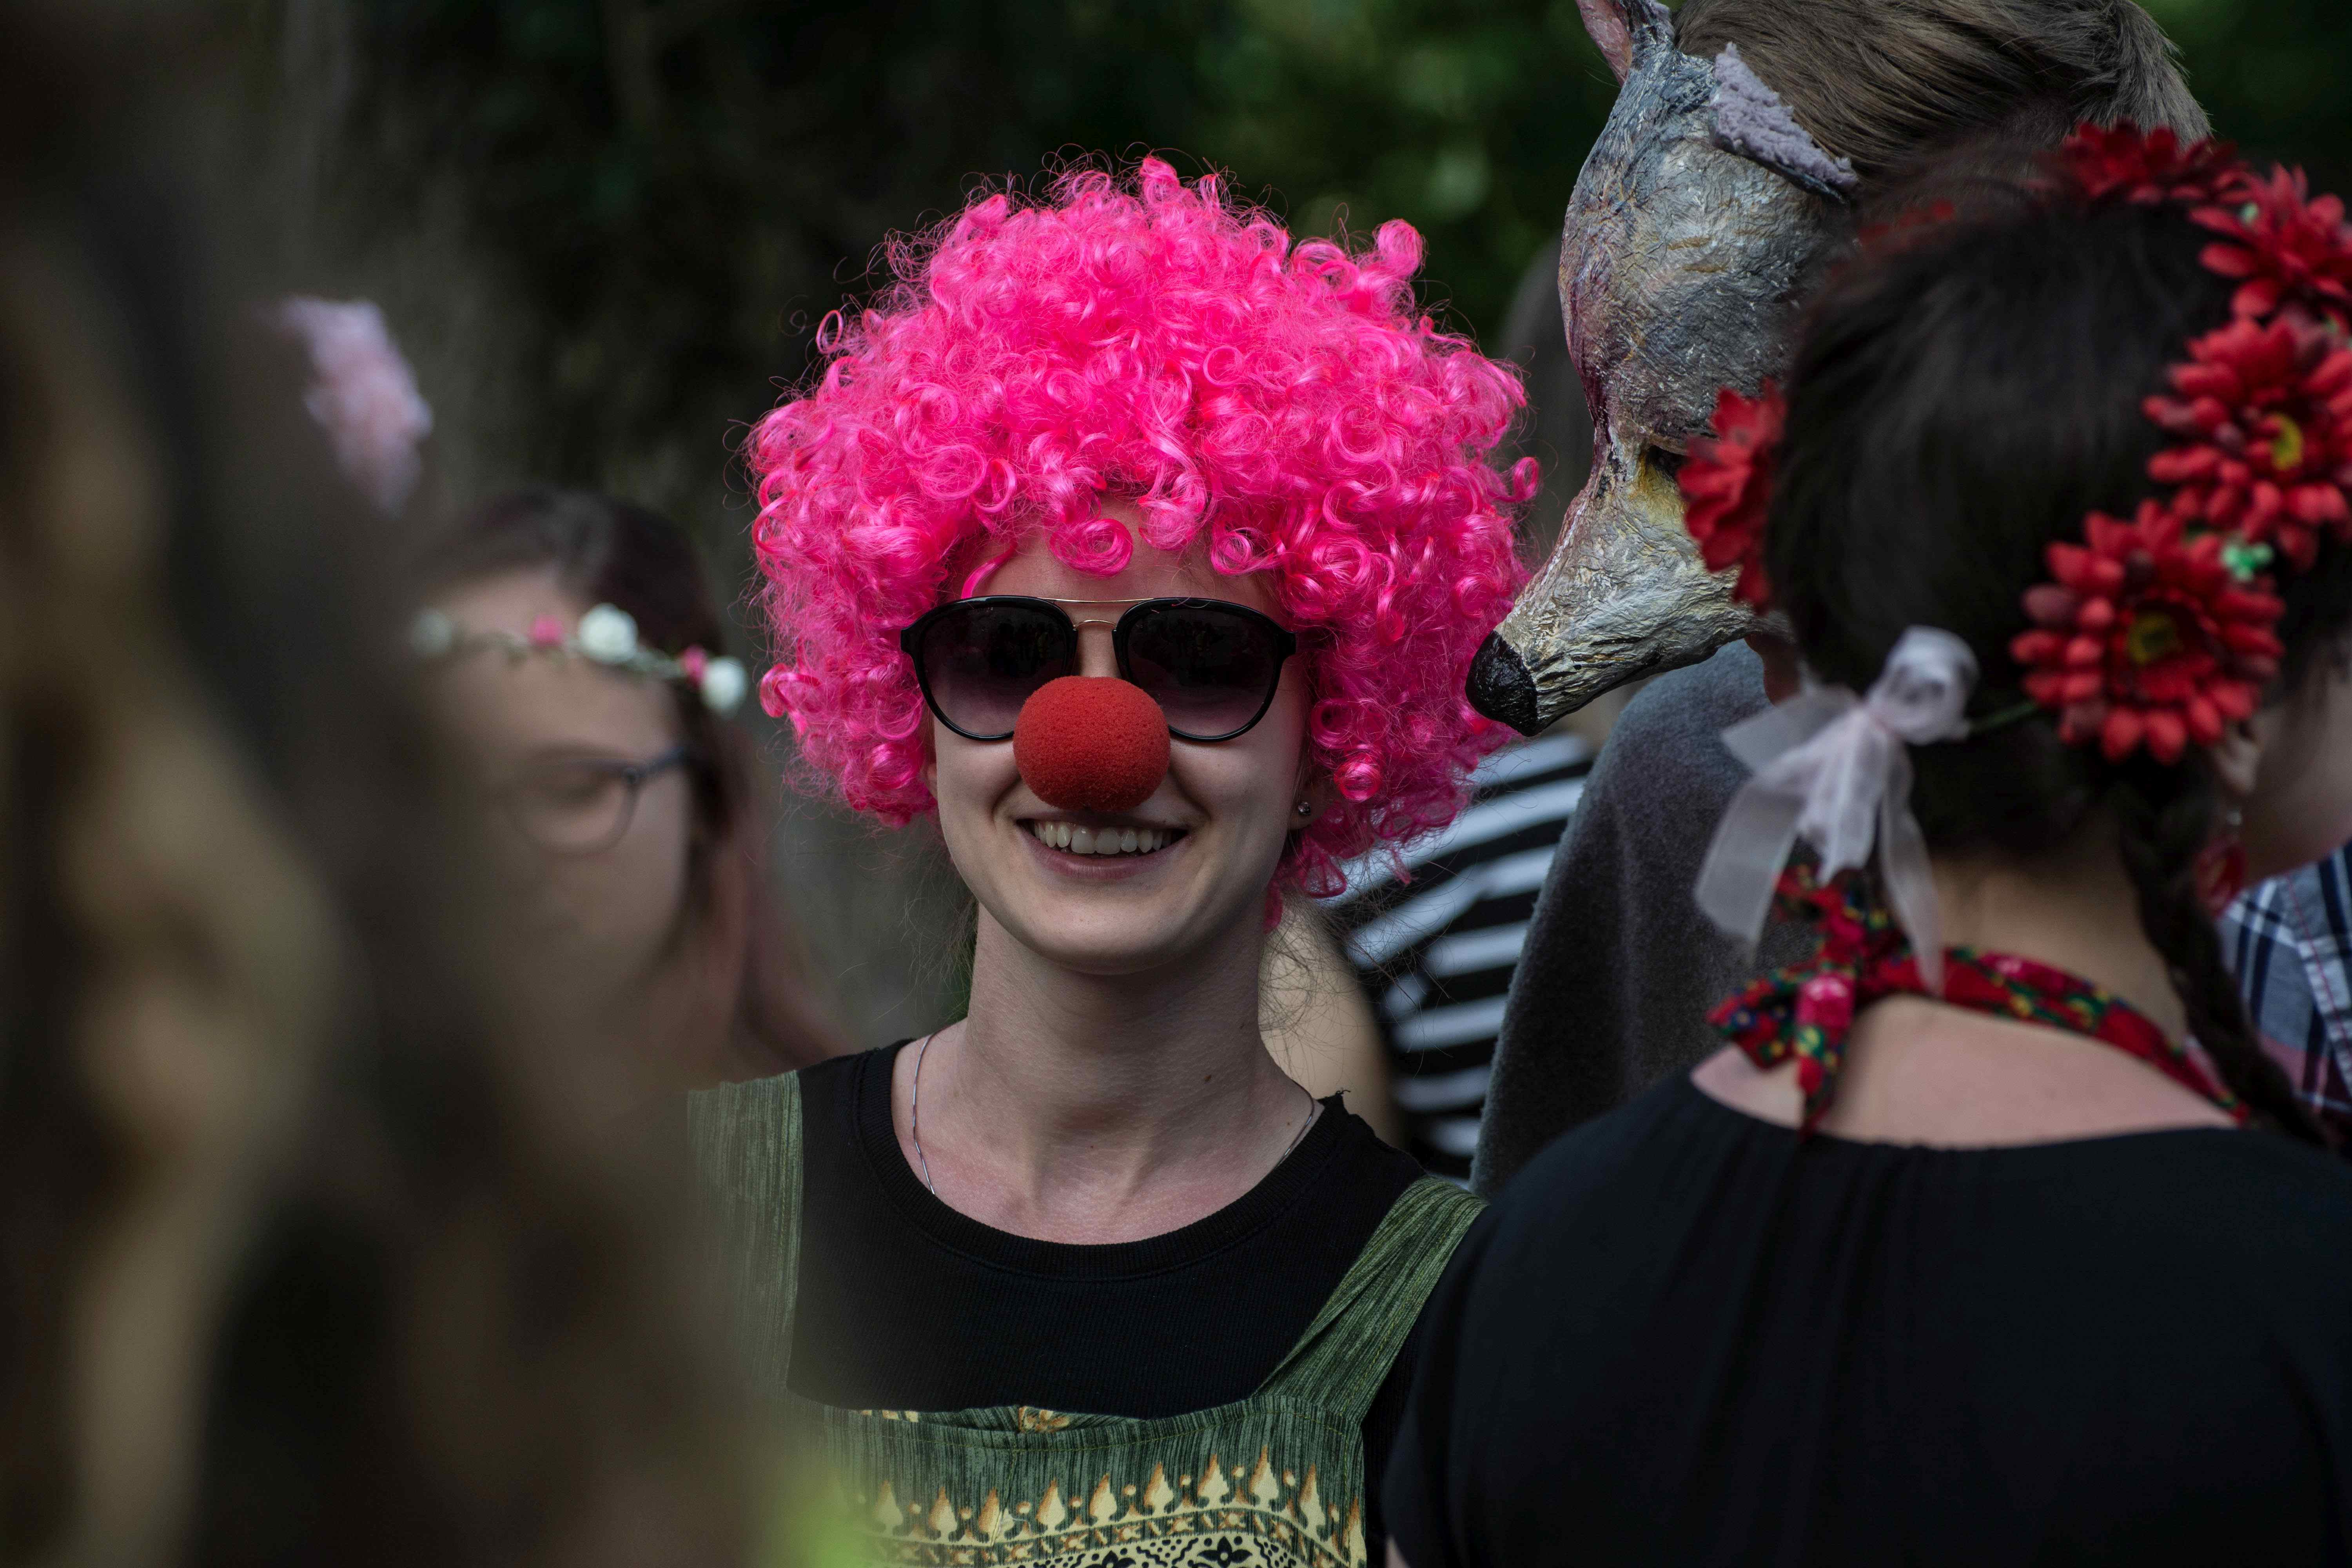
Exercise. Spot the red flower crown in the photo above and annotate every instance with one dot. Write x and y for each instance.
(2161, 630)
(1727, 488)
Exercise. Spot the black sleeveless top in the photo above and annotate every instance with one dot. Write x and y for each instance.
(1228, 1387)
(906, 1303)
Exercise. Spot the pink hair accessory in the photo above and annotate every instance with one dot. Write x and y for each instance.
(364, 396)
(1835, 769)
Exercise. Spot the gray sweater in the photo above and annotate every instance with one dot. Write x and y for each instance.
(1621, 969)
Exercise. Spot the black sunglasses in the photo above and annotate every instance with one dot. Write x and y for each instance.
(1212, 666)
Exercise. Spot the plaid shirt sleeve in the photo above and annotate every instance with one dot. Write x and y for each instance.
(2290, 942)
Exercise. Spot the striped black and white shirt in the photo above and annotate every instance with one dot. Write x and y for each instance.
(1435, 949)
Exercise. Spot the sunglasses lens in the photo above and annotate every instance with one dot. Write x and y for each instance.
(1212, 670)
(983, 660)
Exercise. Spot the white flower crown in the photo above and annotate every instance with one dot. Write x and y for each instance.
(607, 634)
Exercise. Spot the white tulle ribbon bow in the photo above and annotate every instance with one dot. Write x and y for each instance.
(1835, 769)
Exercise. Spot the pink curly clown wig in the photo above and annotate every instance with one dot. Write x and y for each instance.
(1286, 407)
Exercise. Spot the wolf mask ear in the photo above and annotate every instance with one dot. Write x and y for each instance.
(1751, 120)
(1627, 31)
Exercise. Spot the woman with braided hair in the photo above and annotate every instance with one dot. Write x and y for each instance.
(1993, 1236)
(1619, 968)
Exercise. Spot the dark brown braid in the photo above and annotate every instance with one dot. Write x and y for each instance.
(2160, 838)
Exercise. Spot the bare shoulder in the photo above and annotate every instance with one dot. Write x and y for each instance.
(1768, 1094)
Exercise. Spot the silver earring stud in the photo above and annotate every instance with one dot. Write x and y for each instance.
(1305, 808)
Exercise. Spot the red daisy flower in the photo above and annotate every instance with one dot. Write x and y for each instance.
(1727, 486)
(2145, 166)
(2147, 638)
(2263, 415)
(2283, 242)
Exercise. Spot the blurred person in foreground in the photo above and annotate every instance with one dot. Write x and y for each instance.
(575, 650)
(1994, 1235)
(314, 1247)
(1148, 550)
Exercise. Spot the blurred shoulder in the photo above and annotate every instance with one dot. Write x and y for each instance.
(764, 1119)
(746, 1097)
(817, 1078)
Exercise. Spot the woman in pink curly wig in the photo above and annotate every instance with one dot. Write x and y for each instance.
(1149, 550)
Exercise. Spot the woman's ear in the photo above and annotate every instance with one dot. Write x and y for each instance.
(1313, 796)
(2237, 758)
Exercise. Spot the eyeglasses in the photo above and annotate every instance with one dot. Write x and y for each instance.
(1212, 666)
(581, 805)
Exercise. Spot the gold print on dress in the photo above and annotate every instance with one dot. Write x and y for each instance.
(1262, 1487)
(1263, 1515)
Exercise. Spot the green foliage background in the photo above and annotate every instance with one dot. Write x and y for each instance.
(606, 229)
(670, 194)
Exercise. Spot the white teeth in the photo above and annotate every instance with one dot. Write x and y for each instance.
(1102, 841)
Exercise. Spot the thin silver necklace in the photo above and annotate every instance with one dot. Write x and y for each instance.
(915, 1117)
(915, 1112)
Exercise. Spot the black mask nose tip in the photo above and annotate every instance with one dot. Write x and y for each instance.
(1501, 687)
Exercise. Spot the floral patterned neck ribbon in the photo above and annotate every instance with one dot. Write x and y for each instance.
(1805, 1011)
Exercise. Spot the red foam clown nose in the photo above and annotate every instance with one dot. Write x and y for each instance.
(1091, 742)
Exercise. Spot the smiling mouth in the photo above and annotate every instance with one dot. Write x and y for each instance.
(1079, 840)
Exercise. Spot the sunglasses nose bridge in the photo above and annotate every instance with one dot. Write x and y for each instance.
(1097, 653)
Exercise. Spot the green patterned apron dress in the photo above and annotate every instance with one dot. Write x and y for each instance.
(1275, 1480)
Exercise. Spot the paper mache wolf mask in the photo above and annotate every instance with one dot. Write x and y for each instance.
(1696, 223)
